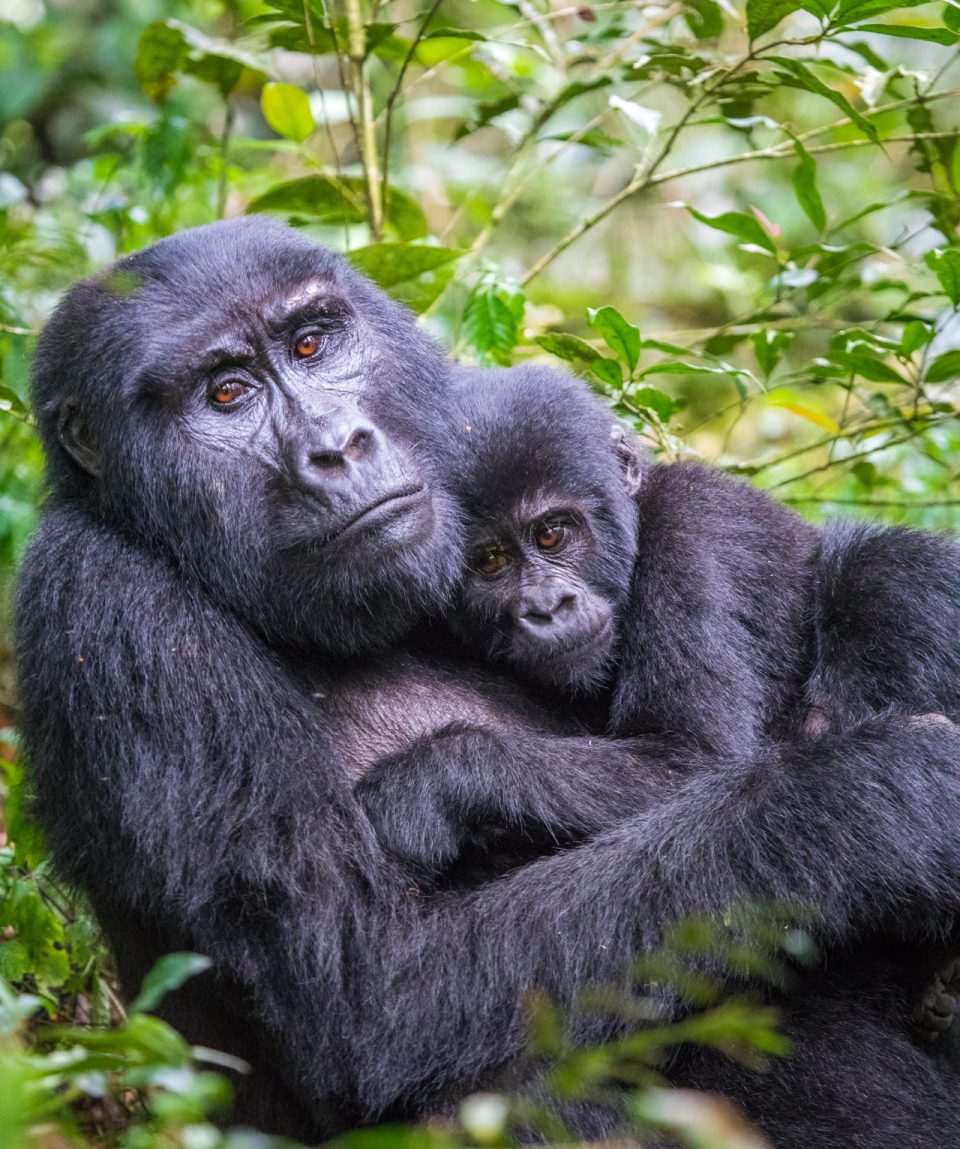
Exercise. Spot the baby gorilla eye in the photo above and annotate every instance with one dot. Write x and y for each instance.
(307, 345)
(490, 561)
(228, 392)
(549, 536)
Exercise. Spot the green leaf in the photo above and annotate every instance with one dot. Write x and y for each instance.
(413, 273)
(804, 177)
(945, 265)
(340, 200)
(768, 346)
(866, 366)
(798, 75)
(705, 18)
(167, 47)
(492, 319)
(916, 334)
(852, 11)
(161, 53)
(569, 347)
(621, 337)
(762, 15)
(944, 368)
(745, 227)
(912, 32)
(287, 110)
(659, 402)
(170, 972)
(11, 401)
(586, 360)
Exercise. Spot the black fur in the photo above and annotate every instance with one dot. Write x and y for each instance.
(186, 581)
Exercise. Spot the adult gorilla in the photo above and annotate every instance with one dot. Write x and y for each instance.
(243, 488)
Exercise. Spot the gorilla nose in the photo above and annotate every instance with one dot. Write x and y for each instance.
(337, 443)
(542, 613)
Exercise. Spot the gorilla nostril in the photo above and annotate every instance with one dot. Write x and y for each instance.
(359, 443)
(325, 460)
(566, 604)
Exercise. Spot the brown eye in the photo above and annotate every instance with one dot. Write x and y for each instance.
(549, 536)
(490, 562)
(306, 346)
(229, 392)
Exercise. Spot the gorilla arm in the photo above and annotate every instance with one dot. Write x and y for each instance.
(183, 780)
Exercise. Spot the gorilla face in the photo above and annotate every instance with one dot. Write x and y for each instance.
(237, 395)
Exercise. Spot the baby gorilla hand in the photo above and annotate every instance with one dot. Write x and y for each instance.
(421, 801)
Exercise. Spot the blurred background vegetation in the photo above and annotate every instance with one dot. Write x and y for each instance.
(737, 220)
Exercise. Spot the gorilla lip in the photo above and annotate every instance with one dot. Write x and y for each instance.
(393, 503)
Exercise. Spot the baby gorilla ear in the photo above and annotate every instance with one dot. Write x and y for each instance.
(632, 456)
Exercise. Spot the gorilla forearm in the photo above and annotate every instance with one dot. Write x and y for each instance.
(243, 841)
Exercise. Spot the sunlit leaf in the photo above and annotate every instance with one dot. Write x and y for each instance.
(945, 265)
(287, 110)
(762, 15)
(912, 32)
(945, 367)
(492, 319)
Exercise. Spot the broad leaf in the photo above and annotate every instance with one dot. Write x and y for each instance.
(912, 32)
(945, 367)
(762, 15)
(745, 227)
(659, 402)
(945, 265)
(586, 360)
(413, 273)
(620, 336)
(340, 200)
(287, 110)
(492, 319)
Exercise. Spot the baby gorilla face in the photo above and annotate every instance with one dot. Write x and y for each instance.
(528, 598)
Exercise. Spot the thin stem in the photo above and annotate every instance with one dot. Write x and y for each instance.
(395, 93)
(905, 503)
(357, 46)
(223, 184)
(641, 182)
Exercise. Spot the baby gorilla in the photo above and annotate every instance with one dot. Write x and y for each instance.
(672, 601)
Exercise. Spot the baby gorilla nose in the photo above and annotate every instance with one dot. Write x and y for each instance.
(553, 612)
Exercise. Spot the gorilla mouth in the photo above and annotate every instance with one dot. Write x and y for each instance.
(582, 644)
(388, 506)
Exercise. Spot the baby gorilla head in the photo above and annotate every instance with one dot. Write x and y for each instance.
(547, 480)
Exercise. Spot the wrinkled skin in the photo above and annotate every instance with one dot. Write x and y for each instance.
(191, 567)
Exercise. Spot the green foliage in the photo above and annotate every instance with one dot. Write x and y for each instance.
(511, 171)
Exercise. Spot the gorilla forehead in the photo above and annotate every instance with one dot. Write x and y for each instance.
(230, 276)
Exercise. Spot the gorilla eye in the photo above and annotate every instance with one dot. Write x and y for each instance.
(549, 536)
(227, 393)
(490, 561)
(307, 345)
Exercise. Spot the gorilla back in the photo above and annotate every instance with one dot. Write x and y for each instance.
(241, 478)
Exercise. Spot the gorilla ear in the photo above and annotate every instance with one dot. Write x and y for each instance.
(632, 457)
(75, 438)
